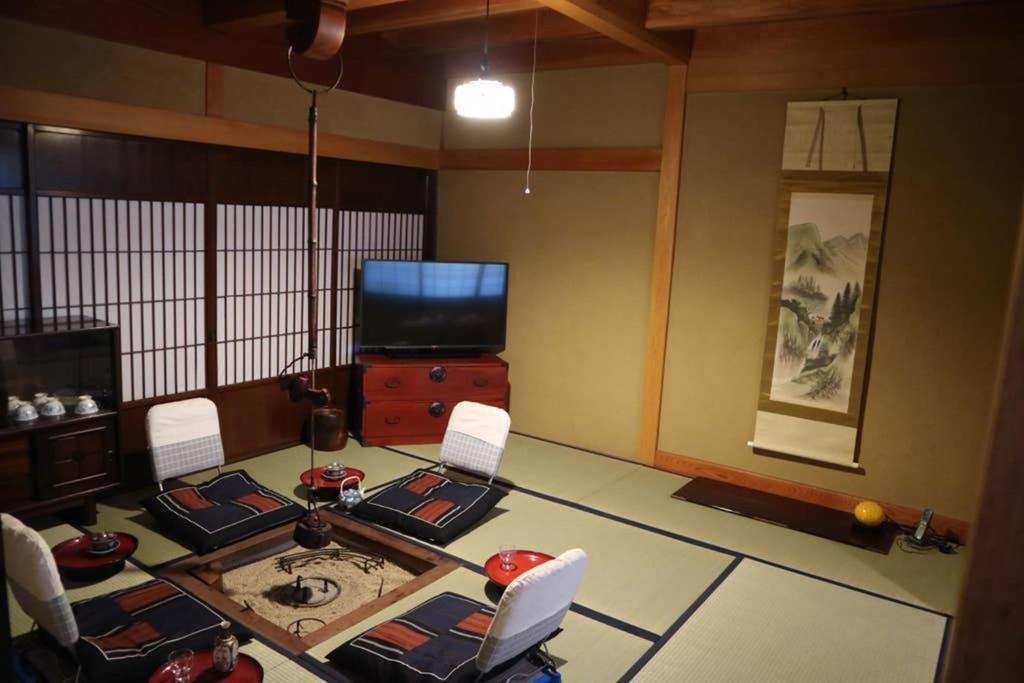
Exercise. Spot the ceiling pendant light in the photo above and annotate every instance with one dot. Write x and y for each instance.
(485, 98)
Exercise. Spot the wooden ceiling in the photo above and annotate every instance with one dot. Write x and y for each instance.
(405, 49)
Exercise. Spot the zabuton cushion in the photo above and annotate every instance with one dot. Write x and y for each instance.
(226, 509)
(126, 635)
(430, 506)
(437, 640)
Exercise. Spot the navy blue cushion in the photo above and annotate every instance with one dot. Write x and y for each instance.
(228, 508)
(430, 506)
(126, 635)
(437, 640)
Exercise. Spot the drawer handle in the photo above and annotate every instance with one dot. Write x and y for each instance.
(436, 409)
(392, 420)
(438, 374)
(393, 383)
(481, 382)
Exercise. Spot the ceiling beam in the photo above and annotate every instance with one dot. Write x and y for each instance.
(615, 21)
(242, 15)
(578, 53)
(510, 29)
(687, 14)
(420, 13)
(372, 68)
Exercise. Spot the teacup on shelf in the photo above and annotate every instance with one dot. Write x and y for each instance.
(12, 405)
(26, 412)
(52, 407)
(39, 398)
(86, 406)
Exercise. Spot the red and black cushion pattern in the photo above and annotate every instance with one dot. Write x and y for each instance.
(437, 640)
(226, 509)
(430, 506)
(127, 634)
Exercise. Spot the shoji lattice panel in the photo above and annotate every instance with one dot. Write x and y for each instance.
(369, 235)
(14, 284)
(261, 290)
(138, 264)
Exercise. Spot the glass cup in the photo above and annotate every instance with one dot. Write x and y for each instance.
(181, 665)
(505, 554)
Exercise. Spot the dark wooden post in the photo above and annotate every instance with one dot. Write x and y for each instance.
(988, 640)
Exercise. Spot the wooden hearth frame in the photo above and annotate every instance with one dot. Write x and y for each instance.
(195, 575)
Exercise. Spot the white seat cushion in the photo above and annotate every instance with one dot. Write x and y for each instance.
(184, 437)
(35, 582)
(475, 438)
(532, 608)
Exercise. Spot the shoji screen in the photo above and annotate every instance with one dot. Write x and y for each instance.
(14, 283)
(261, 290)
(369, 235)
(138, 264)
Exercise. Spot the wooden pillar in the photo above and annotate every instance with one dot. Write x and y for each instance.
(988, 640)
(663, 259)
(214, 89)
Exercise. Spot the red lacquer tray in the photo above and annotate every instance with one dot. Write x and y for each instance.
(75, 562)
(319, 482)
(247, 670)
(522, 560)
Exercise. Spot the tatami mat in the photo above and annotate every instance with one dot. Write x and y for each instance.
(931, 580)
(569, 473)
(629, 569)
(651, 558)
(277, 667)
(767, 624)
(644, 495)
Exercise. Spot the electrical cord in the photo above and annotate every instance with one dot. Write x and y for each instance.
(947, 544)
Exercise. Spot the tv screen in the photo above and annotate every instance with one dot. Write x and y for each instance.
(433, 306)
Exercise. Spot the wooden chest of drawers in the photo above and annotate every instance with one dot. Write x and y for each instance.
(408, 400)
(53, 465)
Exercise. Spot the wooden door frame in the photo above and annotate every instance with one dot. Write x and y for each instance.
(988, 636)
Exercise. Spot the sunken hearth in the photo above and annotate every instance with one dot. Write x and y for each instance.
(300, 598)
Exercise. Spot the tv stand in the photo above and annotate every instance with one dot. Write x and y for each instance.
(408, 400)
(396, 354)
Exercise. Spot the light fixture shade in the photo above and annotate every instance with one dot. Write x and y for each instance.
(485, 99)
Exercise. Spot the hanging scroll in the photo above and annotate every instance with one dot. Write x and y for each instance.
(831, 213)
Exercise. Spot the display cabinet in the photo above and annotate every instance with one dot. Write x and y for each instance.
(58, 462)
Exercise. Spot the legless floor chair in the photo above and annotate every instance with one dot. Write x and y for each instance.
(121, 636)
(184, 437)
(454, 639)
(435, 508)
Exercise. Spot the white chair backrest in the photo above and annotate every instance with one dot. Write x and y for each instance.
(184, 437)
(475, 438)
(532, 608)
(35, 582)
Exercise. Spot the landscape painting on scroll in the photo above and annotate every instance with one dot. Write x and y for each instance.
(829, 222)
(826, 260)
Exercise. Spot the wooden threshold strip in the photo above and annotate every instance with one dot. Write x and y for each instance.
(32, 106)
(837, 500)
(554, 159)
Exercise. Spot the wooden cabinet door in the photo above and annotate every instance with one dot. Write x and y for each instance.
(76, 459)
(15, 471)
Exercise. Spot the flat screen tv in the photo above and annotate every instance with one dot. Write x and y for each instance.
(432, 307)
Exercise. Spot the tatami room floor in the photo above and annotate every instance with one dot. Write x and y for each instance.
(673, 591)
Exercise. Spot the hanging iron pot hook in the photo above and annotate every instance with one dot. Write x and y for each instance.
(310, 89)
